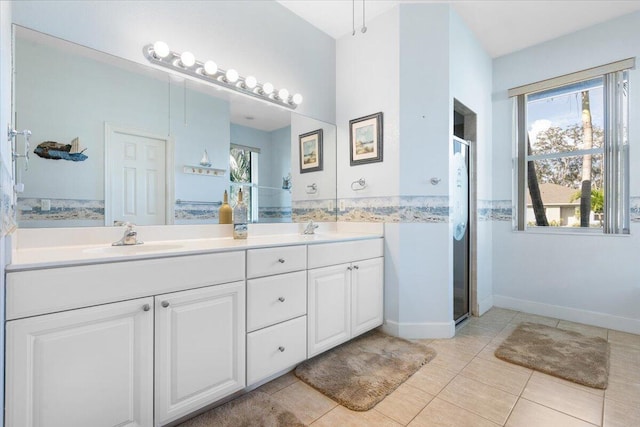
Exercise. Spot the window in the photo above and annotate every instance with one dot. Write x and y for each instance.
(243, 173)
(572, 151)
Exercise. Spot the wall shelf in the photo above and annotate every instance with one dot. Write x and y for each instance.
(203, 170)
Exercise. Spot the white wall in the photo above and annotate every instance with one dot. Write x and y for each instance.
(471, 73)
(426, 111)
(594, 278)
(261, 38)
(367, 68)
(368, 80)
(404, 66)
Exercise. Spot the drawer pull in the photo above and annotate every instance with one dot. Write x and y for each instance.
(165, 304)
(281, 348)
(281, 260)
(281, 299)
(146, 307)
(349, 268)
(356, 267)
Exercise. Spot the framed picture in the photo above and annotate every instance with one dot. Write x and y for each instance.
(365, 137)
(311, 151)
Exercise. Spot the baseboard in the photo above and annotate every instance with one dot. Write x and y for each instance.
(594, 318)
(419, 330)
(485, 305)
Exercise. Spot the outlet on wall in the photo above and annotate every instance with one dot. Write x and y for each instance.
(342, 206)
(45, 205)
(330, 205)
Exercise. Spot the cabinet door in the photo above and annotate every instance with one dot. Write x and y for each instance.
(84, 367)
(366, 295)
(329, 310)
(200, 348)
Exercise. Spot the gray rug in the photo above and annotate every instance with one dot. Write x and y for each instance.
(564, 354)
(254, 409)
(360, 373)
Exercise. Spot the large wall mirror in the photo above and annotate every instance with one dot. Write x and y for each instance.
(113, 140)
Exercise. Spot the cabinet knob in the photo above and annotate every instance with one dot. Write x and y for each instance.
(356, 267)
(281, 299)
(281, 349)
(349, 268)
(281, 260)
(165, 304)
(146, 307)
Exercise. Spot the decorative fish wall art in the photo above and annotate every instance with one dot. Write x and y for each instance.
(56, 151)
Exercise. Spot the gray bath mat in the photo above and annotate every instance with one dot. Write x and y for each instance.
(255, 409)
(564, 354)
(360, 373)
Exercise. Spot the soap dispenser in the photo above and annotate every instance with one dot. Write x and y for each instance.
(240, 227)
(225, 212)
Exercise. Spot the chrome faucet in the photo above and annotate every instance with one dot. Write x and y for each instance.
(129, 238)
(310, 228)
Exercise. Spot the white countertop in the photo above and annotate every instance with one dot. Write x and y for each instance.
(63, 256)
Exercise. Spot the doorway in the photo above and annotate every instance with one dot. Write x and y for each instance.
(138, 177)
(462, 210)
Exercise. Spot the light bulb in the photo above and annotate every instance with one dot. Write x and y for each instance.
(250, 82)
(210, 68)
(161, 49)
(283, 94)
(187, 59)
(297, 99)
(232, 75)
(267, 88)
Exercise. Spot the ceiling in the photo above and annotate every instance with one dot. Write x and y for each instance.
(501, 26)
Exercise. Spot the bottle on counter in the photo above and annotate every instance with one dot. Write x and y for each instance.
(240, 228)
(225, 212)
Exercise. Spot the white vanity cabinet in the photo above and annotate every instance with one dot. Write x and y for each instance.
(77, 363)
(147, 342)
(345, 299)
(276, 310)
(200, 348)
(84, 367)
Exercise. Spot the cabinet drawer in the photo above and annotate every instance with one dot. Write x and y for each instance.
(326, 254)
(276, 348)
(56, 289)
(274, 299)
(266, 262)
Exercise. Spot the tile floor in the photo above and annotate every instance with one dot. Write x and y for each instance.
(467, 386)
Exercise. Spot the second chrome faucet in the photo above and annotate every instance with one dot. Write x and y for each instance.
(129, 238)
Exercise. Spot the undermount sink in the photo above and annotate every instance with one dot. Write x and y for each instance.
(134, 249)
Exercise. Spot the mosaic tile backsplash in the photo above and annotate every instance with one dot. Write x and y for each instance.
(394, 209)
(196, 211)
(30, 209)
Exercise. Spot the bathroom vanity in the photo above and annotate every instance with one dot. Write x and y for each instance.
(148, 337)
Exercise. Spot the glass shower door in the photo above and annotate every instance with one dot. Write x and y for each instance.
(460, 220)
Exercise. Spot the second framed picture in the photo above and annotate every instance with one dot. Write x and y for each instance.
(365, 137)
(311, 151)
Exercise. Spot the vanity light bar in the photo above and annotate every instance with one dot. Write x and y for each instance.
(185, 63)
